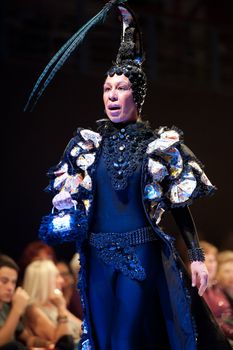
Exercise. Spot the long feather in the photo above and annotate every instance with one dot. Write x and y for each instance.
(65, 51)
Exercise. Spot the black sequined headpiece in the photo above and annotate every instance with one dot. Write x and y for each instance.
(130, 56)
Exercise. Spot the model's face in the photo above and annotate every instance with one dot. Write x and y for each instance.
(118, 99)
(8, 279)
(211, 264)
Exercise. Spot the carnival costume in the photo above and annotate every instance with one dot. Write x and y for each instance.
(135, 291)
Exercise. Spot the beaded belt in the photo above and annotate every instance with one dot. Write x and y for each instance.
(139, 236)
(118, 249)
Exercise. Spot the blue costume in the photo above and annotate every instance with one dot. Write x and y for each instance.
(135, 291)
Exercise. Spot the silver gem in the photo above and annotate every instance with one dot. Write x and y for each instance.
(72, 183)
(85, 160)
(175, 161)
(153, 191)
(86, 183)
(182, 190)
(75, 151)
(157, 170)
(165, 141)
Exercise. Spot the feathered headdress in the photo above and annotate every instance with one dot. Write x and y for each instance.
(130, 50)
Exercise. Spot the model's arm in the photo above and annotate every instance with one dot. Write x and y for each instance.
(185, 223)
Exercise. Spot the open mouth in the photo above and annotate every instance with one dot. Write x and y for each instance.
(114, 108)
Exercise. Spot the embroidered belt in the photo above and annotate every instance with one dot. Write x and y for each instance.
(118, 250)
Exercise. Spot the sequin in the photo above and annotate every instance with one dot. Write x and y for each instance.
(157, 170)
(75, 151)
(63, 169)
(85, 327)
(86, 345)
(85, 160)
(182, 190)
(72, 183)
(91, 135)
(86, 183)
(153, 191)
(59, 181)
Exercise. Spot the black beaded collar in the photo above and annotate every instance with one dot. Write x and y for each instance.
(124, 146)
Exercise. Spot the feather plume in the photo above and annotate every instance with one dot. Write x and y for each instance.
(64, 53)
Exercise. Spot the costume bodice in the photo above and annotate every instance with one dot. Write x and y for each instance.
(118, 204)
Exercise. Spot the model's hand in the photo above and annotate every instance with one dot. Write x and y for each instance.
(20, 300)
(199, 276)
(63, 200)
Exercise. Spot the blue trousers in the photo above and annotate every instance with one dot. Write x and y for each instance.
(126, 314)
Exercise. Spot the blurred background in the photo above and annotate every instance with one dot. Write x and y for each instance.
(189, 63)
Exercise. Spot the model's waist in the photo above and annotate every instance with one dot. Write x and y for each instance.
(121, 239)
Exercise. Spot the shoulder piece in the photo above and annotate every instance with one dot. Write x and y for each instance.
(176, 176)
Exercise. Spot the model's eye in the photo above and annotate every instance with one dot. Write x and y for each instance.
(106, 89)
(123, 87)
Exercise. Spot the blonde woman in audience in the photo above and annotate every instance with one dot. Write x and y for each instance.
(47, 314)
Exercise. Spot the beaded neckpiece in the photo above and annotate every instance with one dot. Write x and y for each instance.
(123, 150)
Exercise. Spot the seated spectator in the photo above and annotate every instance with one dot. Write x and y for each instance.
(47, 314)
(211, 252)
(215, 295)
(36, 250)
(69, 289)
(225, 271)
(13, 301)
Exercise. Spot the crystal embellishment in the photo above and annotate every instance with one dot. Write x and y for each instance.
(85, 160)
(157, 170)
(182, 190)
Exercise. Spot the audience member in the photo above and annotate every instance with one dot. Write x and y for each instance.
(13, 301)
(211, 252)
(47, 314)
(69, 289)
(225, 271)
(215, 295)
(36, 250)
